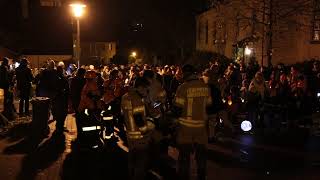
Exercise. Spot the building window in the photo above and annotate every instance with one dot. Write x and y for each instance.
(214, 32)
(207, 31)
(51, 3)
(316, 21)
(199, 31)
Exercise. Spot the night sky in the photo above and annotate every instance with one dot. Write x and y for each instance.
(167, 24)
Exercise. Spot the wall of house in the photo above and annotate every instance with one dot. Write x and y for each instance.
(101, 50)
(37, 61)
(224, 31)
(4, 52)
(291, 37)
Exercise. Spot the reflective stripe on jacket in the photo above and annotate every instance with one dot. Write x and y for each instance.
(188, 122)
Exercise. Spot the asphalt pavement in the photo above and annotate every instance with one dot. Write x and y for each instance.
(288, 155)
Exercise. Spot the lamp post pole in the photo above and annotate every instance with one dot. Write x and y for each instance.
(78, 48)
(78, 10)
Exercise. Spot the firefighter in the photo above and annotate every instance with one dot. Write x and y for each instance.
(192, 98)
(90, 92)
(112, 87)
(157, 95)
(138, 129)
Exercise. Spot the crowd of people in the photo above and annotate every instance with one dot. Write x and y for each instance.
(140, 91)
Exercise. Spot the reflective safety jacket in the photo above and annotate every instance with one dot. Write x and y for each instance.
(89, 91)
(193, 97)
(134, 111)
(112, 90)
(156, 95)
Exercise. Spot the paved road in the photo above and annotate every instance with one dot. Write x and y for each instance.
(244, 157)
(290, 155)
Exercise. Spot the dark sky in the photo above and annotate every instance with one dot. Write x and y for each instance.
(166, 23)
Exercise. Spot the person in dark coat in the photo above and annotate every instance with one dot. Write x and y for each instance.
(46, 86)
(60, 101)
(76, 85)
(24, 78)
(6, 83)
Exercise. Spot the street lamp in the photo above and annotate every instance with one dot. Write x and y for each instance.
(78, 11)
(247, 51)
(134, 54)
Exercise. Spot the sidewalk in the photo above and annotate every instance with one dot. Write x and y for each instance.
(44, 163)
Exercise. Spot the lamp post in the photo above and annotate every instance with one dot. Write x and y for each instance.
(134, 54)
(77, 10)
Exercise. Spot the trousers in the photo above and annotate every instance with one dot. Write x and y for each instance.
(185, 151)
(138, 163)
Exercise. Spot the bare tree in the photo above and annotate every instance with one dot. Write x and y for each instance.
(265, 18)
(271, 15)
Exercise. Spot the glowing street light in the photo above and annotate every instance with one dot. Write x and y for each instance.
(247, 51)
(78, 11)
(134, 54)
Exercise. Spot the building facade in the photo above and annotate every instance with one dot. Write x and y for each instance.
(268, 31)
(97, 52)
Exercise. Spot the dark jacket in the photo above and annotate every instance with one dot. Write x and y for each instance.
(76, 86)
(24, 78)
(4, 77)
(47, 85)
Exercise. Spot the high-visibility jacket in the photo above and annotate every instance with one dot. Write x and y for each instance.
(87, 102)
(193, 97)
(133, 107)
(112, 90)
(156, 95)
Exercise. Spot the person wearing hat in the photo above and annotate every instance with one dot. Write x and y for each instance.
(24, 78)
(192, 98)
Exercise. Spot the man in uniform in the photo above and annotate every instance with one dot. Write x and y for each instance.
(157, 95)
(138, 129)
(89, 92)
(192, 98)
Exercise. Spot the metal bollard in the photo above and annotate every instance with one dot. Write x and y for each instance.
(40, 116)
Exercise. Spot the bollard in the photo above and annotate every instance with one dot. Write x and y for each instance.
(40, 116)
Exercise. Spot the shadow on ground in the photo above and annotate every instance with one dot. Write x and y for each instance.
(110, 163)
(16, 132)
(43, 157)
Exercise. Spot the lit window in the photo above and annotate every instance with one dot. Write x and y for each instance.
(207, 31)
(51, 3)
(199, 31)
(316, 21)
(214, 32)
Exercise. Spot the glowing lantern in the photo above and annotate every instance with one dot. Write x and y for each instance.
(246, 126)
